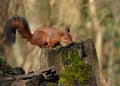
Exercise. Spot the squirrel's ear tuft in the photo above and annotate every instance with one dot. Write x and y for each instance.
(67, 29)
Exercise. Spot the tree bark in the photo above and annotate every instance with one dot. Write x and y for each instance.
(35, 78)
(89, 58)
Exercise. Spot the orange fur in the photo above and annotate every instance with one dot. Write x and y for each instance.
(43, 37)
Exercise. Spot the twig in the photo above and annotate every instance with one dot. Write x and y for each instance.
(48, 74)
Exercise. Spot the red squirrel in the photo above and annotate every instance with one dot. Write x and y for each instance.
(43, 37)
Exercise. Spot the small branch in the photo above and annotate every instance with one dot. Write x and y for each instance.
(49, 74)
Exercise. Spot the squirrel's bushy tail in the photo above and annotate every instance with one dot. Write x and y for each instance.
(13, 24)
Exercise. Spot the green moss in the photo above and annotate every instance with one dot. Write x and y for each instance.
(76, 70)
(5, 69)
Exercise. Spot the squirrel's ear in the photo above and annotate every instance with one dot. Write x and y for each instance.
(67, 29)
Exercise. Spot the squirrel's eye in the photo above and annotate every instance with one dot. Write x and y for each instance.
(67, 37)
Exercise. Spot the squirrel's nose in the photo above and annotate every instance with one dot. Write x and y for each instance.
(71, 43)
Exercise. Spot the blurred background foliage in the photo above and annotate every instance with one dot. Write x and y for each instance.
(96, 19)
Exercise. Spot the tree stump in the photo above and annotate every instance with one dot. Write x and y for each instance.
(86, 53)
